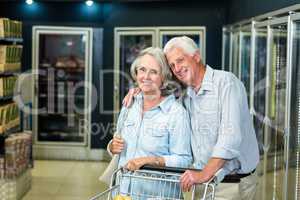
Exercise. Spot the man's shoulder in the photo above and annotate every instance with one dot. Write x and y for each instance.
(222, 78)
(221, 75)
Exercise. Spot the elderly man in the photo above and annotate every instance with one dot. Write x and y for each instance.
(223, 138)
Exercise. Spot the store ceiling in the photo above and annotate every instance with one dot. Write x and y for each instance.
(93, 0)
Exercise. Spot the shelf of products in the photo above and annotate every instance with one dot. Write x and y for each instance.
(15, 145)
(271, 54)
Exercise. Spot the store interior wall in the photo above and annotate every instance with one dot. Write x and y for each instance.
(107, 15)
(211, 14)
(245, 9)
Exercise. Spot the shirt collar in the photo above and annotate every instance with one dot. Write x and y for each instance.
(164, 105)
(206, 85)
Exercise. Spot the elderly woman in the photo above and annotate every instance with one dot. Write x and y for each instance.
(156, 128)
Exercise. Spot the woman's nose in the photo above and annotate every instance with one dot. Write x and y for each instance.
(147, 75)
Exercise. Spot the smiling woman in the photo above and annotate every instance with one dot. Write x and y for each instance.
(156, 129)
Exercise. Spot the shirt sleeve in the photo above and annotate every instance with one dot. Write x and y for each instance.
(230, 131)
(179, 141)
(120, 122)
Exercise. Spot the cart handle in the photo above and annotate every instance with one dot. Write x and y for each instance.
(167, 169)
(179, 170)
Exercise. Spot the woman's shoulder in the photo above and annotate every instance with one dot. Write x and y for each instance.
(177, 106)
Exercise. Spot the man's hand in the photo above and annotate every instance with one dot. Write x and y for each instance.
(136, 163)
(127, 101)
(117, 145)
(192, 177)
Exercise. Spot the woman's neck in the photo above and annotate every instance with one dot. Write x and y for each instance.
(151, 100)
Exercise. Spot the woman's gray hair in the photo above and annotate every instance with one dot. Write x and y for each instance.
(183, 42)
(168, 85)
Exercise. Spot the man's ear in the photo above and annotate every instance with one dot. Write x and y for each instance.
(197, 56)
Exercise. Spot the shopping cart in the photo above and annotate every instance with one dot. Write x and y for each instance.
(164, 181)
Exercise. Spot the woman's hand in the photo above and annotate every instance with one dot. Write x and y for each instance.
(127, 101)
(137, 163)
(117, 145)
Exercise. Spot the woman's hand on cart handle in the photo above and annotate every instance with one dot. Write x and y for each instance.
(137, 163)
(128, 99)
(117, 145)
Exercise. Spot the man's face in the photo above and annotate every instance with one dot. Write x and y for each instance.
(184, 66)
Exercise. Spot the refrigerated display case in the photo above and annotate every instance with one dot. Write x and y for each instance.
(274, 97)
(129, 41)
(62, 60)
(235, 55)
(276, 110)
(226, 41)
(293, 156)
(244, 72)
(128, 44)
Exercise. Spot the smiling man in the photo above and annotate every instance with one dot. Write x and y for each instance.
(223, 138)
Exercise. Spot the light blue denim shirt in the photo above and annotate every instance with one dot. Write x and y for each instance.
(163, 131)
(221, 123)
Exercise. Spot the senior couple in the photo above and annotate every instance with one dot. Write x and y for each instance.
(208, 128)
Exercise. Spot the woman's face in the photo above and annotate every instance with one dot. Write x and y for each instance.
(148, 75)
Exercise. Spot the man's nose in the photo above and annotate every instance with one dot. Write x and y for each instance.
(177, 68)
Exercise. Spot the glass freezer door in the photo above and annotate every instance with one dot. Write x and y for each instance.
(276, 112)
(235, 53)
(259, 89)
(245, 61)
(259, 99)
(62, 58)
(226, 50)
(293, 187)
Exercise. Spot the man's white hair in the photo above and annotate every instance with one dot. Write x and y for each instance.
(183, 42)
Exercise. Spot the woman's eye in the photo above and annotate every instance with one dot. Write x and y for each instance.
(142, 69)
(154, 72)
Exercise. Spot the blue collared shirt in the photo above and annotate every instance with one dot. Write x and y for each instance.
(221, 123)
(163, 131)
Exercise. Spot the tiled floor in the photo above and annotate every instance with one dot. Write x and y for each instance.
(65, 180)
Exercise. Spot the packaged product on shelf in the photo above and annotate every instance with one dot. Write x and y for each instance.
(2, 169)
(17, 154)
(7, 114)
(10, 57)
(9, 54)
(3, 53)
(13, 30)
(1, 87)
(4, 27)
(2, 118)
(19, 29)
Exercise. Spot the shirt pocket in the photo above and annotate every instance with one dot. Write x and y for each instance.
(155, 140)
(128, 129)
(208, 104)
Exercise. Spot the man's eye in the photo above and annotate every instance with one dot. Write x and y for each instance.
(180, 60)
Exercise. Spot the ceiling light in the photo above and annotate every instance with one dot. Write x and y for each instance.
(29, 2)
(89, 2)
